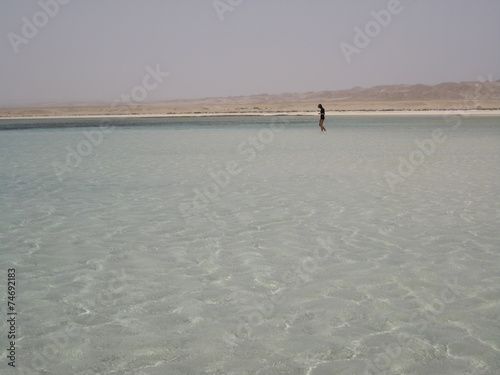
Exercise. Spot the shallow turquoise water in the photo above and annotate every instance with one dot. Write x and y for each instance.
(253, 245)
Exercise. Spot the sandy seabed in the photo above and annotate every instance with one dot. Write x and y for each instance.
(255, 245)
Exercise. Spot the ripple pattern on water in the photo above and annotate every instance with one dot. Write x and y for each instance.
(140, 261)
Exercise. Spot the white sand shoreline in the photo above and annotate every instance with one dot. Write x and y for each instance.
(215, 114)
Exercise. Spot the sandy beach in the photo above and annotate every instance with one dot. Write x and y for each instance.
(23, 115)
(461, 99)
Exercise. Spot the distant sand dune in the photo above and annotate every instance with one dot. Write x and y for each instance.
(477, 96)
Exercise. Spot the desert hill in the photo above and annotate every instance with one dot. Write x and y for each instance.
(463, 95)
(445, 91)
(444, 96)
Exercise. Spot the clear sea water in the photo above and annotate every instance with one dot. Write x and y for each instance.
(252, 245)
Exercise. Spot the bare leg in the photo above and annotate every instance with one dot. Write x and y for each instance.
(321, 125)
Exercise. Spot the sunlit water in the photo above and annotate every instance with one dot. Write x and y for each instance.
(253, 245)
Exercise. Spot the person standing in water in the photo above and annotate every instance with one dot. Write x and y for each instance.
(322, 117)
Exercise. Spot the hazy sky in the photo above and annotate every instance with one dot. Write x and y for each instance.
(107, 50)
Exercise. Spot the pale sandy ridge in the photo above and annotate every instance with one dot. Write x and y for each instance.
(225, 114)
(462, 98)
